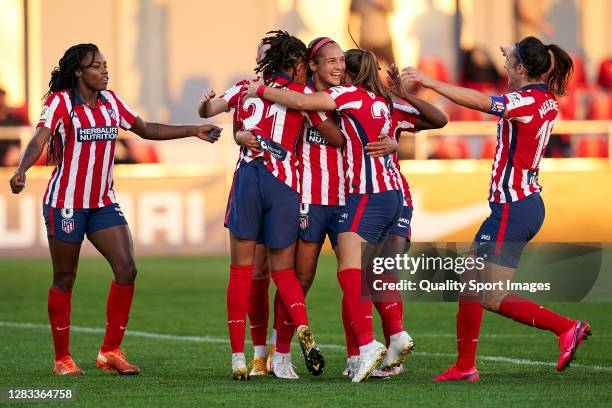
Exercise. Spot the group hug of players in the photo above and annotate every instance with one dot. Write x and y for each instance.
(318, 133)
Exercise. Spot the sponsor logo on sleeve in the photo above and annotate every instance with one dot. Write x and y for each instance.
(44, 114)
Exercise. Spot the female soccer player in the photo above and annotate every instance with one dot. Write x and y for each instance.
(538, 73)
(419, 116)
(258, 303)
(374, 201)
(321, 174)
(264, 203)
(80, 122)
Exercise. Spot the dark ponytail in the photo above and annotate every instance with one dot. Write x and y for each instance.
(538, 61)
(562, 71)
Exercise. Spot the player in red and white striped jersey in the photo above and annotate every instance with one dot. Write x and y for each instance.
(80, 121)
(264, 201)
(258, 303)
(374, 202)
(537, 73)
(419, 116)
(321, 177)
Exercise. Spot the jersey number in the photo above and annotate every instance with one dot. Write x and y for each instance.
(542, 136)
(277, 112)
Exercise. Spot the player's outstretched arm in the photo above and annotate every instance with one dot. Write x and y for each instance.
(318, 101)
(32, 153)
(462, 96)
(210, 106)
(430, 117)
(160, 131)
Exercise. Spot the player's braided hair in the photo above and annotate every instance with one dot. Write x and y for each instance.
(363, 67)
(538, 59)
(62, 77)
(285, 52)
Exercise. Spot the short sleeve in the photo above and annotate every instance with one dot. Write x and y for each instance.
(232, 95)
(51, 112)
(519, 104)
(405, 116)
(126, 114)
(344, 96)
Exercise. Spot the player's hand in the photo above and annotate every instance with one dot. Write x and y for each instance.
(393, 78)
(382, 147)
(504, 50)
(413, 75)
(207, 96)
(18, 182)
(247, 139)
(251, 91)
(209, 133)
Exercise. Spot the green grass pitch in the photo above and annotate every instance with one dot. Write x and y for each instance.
(184, 299)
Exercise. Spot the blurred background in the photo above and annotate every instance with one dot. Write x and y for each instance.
(163, 54)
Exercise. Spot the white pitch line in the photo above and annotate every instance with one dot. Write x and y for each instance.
(222, 340)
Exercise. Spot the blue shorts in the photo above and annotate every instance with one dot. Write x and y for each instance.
(70, 225)
(402, 227)
(317, 221)
(372, 216)
(261, 208)
(504, 234)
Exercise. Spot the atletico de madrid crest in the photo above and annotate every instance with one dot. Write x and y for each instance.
(68, 225)
(303, 222)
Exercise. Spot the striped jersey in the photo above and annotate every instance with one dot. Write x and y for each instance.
(276, 127)
(403, 118)
(85, 140)
(521, 141)
(363, 117)
(321, 168)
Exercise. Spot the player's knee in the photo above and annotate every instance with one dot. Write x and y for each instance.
(261, 271)
(64, 281)
(305, 283)
(490, 305)
(126, 272)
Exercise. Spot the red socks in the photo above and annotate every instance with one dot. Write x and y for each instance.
(58, 305)
(522, 310)
(391, 316)
(118, 306)
(238, 289)
(352, 349)
(360, 312)
(284, 327)
(259, 311)
(469, 318)
(292, 296)
(117, 314)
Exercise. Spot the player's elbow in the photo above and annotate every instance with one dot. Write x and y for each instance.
(441, 120)
(203, 112)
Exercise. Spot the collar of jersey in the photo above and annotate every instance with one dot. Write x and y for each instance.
(541, 87)
(79, 101)
(281, 79)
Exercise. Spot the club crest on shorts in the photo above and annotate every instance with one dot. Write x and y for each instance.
(68, 225)
(303, 221)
